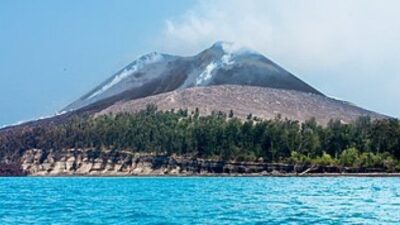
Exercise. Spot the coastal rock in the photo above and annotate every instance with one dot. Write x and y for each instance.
(93, 162)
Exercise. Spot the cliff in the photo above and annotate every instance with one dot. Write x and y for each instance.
(78, 162)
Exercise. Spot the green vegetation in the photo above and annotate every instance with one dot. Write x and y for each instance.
(364, 143)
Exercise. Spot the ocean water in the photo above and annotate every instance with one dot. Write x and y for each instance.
(200, 200)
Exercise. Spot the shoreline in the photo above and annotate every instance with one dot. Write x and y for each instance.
(377, 175)
(81, 163)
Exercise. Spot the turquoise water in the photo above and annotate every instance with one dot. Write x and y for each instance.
(200, 200)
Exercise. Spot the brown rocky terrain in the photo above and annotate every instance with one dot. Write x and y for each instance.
(93, 162)
(262, 102)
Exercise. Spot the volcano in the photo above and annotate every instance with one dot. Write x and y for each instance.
(232, 77)
(222, 64)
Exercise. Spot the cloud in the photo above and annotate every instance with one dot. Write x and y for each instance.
(351, 41)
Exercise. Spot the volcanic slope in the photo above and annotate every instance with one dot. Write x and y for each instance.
(260, 102)
(223, 63)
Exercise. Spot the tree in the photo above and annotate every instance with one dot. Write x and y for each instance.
(364, 143)
(231, 113)
(249, 116)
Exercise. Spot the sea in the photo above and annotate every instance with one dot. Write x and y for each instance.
(200, 200)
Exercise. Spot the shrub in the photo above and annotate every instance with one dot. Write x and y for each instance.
(370, 160)
(298, 158)
(246, 157)
(349, 157)
(389, 163)
(324, 160)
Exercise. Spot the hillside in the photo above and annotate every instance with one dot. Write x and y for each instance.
(261, 102)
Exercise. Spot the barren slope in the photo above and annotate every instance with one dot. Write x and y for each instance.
(262, 102)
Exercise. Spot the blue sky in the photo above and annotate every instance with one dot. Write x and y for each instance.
(52, 52)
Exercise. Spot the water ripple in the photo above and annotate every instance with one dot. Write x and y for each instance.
(199, 201)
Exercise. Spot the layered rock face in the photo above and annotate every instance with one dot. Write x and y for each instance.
(78, 162)
(37, 162)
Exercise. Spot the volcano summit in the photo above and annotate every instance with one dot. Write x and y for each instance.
(220, 65)
(224, 63)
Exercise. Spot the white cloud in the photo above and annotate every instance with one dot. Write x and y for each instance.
(356, 42)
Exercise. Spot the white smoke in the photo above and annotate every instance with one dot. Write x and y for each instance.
(343, 47)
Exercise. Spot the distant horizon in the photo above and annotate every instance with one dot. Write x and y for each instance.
(49, 63)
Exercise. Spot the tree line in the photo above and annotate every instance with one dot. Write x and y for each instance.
(363, 143)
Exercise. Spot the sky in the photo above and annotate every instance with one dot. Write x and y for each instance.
(54, 51)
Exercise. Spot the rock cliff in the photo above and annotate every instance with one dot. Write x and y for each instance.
(78, 162)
